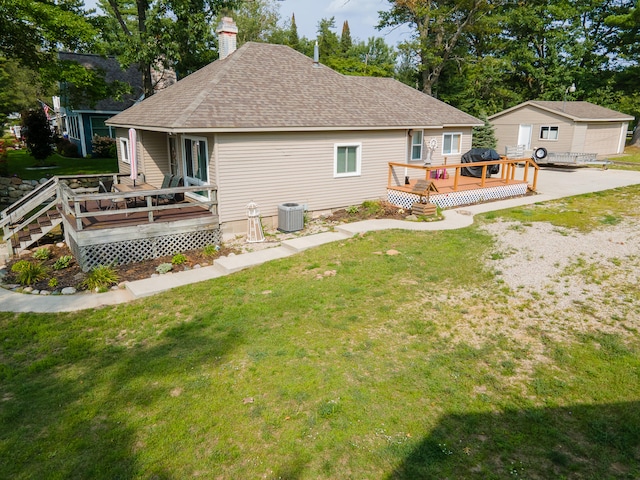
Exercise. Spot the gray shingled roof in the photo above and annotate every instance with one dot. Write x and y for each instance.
(577, 111)
(264, 86)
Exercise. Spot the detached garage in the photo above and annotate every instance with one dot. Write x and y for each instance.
(578, 127)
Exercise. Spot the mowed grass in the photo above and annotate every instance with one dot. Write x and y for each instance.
(343, 362)
(23, 165)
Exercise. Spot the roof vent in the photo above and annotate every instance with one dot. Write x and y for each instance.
(227, 31)
(316, 55)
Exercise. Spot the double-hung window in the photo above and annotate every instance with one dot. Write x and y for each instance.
(124, 150)
(347, 160)
(451, 143)
(416, 145)
(548, 133)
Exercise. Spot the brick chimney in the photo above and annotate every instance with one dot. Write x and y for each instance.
(227, 31)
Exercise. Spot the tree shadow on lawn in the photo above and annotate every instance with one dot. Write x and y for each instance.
(582, 441)
(89, 426)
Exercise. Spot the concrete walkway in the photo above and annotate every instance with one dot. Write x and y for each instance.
(552, 184)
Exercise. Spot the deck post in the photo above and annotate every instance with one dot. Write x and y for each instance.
(149, 206)
(76, 208)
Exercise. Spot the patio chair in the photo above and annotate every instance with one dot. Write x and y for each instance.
(172, 197)
(113, 203)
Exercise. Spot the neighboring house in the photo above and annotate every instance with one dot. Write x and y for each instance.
(270, 125)
(578, 127)
(81, 121)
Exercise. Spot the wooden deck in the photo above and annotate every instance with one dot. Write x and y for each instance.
(446, 185)
(93, 217)
(132, 225)
(449, 188)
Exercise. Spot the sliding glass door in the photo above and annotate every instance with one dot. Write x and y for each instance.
(196, 164)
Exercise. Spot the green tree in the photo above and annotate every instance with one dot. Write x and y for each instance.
(161, 34)
(292, 36)
(257, 21)
(345, 38)
(328, 41)
(34, 30)
(438, 27)
(21, 87)
(37, 133)
(485, 136)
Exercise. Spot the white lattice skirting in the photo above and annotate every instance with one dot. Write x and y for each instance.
(139, 249)
(456, 199)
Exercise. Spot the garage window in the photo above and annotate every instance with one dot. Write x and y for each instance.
(548, 133)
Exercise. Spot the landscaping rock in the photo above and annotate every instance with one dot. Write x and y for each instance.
(68, 291)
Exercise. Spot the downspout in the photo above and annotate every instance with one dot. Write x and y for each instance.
(216, 172)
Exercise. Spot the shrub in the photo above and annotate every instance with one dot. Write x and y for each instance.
(63, 262)
(211, 250)
(20, 265)
(37, 133)
(103, 147)
(29, 273)
(352, 210)
(4, 161)
(178, 259)
(42, 253)
(53, 283)
(372, 207)
(100, 278)
(164, 268)
(70, 150)
(66, 148)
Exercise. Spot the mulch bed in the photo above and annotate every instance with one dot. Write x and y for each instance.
(73, 275)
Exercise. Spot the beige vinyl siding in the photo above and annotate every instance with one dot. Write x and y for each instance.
(507, 127)
(154, 156)
(602, 138)
(122, 166)
(271, 169)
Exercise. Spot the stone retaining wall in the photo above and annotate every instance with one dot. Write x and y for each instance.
(13, 188)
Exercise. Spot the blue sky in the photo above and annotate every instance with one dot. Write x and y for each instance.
(362, 16)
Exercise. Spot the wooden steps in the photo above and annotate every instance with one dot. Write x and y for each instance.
(26, 237)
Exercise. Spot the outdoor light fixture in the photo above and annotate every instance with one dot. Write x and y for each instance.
(570, 89)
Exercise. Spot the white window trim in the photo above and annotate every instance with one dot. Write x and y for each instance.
(206, 150)
(124, 150)
(459, 152)
(549, 127)
(421, 132)
(357, 173)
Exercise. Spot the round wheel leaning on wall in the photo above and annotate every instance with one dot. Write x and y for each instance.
(540, 153)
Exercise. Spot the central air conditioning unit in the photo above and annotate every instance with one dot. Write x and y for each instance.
(290, 217)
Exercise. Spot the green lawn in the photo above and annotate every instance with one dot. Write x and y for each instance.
(22, 164)
(341, 362)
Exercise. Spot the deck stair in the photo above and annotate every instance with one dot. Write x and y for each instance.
(31, 217)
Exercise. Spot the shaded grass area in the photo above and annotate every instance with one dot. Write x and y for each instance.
(273, 373)
(22, 164)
